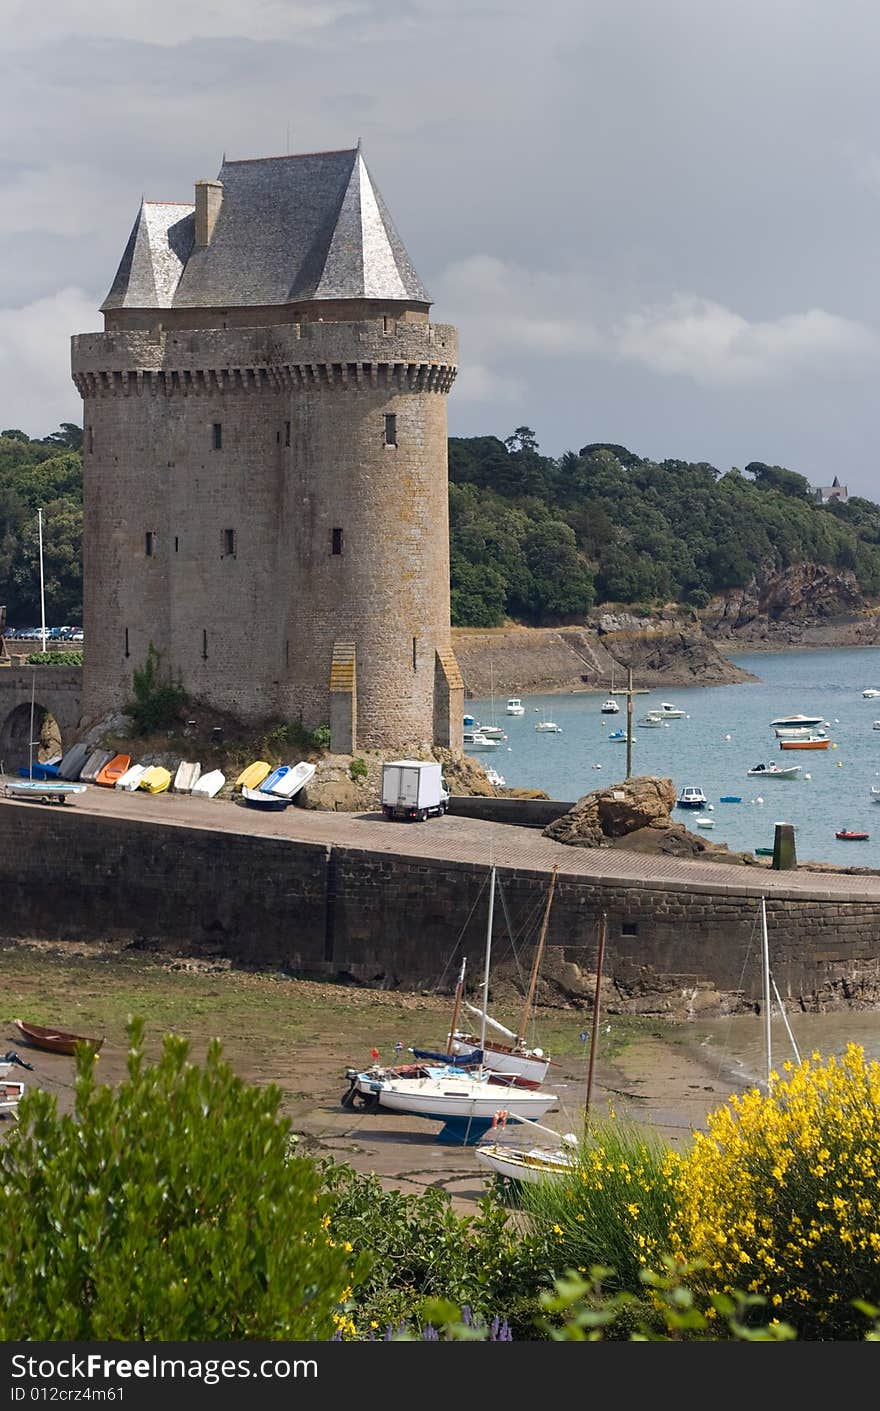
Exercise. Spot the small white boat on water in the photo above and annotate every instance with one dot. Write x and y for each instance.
(609, 707)
(773, 771)
(797, 722)
(497, 780)
(515, 706)
(479, 741)
(692, 796)
(875, 794)
(208, 785)
(652, 721)
(548, 726)
(667, 711)
(871, 693)
(493, 732)
(800, 732)
(703, 822)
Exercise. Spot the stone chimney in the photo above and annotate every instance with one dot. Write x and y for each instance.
(209, 198)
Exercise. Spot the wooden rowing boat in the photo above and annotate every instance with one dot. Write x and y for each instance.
(53, 1040)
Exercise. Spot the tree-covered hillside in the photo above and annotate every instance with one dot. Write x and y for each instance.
(540, 539)
(45, 475)
(534, 538)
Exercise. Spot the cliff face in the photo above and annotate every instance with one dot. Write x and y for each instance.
(805, 605)
(663, 651)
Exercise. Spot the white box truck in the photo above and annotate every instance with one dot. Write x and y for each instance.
(413, 788)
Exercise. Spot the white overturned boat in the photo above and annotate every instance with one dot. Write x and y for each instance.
(43, 790)
(187, 774)
(289, 785)
(207, 785)
(130, 780)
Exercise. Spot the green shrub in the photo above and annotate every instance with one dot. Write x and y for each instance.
(320, 737)
(358, 769)
(157, 699)
(167, 1209)
(54, 659)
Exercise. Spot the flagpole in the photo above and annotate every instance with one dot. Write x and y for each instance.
(42, 589)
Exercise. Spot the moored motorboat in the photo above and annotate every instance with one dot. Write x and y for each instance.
(703, 822)
(515, 706)
(813, 742)
(852, 835)
(671, 712)
(773, 771)
(691, 796)
(794, 722)
(871, 693)
(609, 707)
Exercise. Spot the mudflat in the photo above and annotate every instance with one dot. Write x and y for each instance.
(301, 1036)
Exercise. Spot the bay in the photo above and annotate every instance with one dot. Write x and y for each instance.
(725, 732)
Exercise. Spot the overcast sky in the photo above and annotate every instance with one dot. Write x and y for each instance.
(654, 222)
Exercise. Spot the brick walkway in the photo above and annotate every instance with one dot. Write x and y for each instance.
(467, 840)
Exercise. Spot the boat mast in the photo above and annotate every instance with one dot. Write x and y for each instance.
(456, 1008)
(488, 962)
(765, 962)
(603, 922)
(536, 965)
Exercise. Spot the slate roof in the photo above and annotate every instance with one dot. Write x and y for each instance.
(289, 229)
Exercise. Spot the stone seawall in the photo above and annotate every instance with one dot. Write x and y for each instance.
(391, 918)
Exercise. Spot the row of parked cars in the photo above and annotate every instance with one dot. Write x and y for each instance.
(53, 634)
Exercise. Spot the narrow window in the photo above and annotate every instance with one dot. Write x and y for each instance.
(176, 543)
(91, 438)
(390, 429)
(205, 643)
(287, 653)
(149, 543)
(218, 435)
(277, 438)
(287, 433)
(229, 542)
(629, 928)
(336, 541)
(414, 654)
(389, 324)
(127, 652)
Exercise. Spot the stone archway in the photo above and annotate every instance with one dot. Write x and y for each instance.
(15, 737)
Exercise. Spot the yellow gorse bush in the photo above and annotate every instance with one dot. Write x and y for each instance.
(781, 1197)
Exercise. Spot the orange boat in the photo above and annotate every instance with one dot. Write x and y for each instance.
(821, 742)
(113, 770)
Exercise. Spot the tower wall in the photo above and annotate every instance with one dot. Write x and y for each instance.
(250, 623)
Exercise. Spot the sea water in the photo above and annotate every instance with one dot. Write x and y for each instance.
(725, 732)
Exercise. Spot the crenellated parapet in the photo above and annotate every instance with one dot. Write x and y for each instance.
(401, 357)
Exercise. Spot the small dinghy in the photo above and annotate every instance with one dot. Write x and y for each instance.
(276, 777)
(73, 761)
(296, 777)
(851, 835)
(253, 776)
(187, 775)
(43, 790)
(132, 777)
(270, 803)
(155, 780)
(113, 770)
(208, 785)
(94, 764)
(53, 1040)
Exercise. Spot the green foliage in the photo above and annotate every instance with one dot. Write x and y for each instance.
(357, 769)
(168, 1209)
(614, 1207)
(157, 699)
(422, 1250)
(54, 659)
(320, 737)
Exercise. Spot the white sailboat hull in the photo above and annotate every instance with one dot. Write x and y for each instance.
(518, 1164)
(529, 1069)
(454, 1097)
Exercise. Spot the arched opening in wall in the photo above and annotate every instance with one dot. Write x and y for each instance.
(15, 738)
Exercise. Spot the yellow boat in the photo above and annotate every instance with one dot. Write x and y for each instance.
(155, 780)
(253, 776)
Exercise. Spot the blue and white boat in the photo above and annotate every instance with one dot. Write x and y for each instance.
(270, 803)
(43, 790)
(271, 781)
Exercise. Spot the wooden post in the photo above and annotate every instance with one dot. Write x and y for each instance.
(603, 922)
(630, 691)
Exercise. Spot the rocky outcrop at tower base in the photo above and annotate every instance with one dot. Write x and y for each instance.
(636, 815)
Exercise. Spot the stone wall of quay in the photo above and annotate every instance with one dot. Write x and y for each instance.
(394, 921)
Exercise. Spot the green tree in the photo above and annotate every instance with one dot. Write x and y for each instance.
(168, 1209)
(68, 434)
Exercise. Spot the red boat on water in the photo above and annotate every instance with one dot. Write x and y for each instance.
(850, 835)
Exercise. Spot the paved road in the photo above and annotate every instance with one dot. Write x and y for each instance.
(467, 840)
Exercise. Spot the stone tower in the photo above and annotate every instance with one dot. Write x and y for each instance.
(265, 460)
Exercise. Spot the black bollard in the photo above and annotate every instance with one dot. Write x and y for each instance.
(784, 855)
